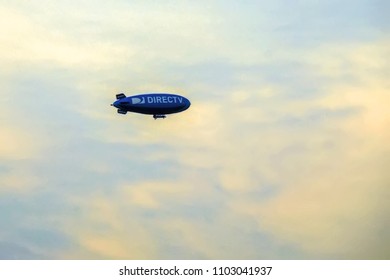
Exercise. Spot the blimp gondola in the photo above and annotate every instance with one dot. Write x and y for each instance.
(156, 104)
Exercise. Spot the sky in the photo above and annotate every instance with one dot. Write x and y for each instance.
(283, 154)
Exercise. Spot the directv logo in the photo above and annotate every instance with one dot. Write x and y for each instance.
(136, 100)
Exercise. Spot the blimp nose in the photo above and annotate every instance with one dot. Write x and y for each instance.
(115, 104)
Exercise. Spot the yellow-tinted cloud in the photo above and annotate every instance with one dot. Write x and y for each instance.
(25, 42)
(17, 143)
(334, 213)
(334, 204)
(19, 180)
(109, 230)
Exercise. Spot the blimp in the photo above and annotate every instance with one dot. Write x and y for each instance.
(157, 104)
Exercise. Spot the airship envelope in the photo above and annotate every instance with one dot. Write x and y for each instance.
(156, 104)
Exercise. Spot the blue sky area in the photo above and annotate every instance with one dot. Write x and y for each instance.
(284, 153)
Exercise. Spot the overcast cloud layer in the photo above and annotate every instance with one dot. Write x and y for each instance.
(284, 153)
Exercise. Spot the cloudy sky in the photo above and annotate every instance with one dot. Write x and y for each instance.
(284, 153)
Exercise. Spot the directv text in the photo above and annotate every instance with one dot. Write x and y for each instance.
(164, 99)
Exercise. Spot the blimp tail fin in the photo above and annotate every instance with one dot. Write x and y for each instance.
(120, 96)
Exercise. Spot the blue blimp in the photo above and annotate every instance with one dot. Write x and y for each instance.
(156, 104)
